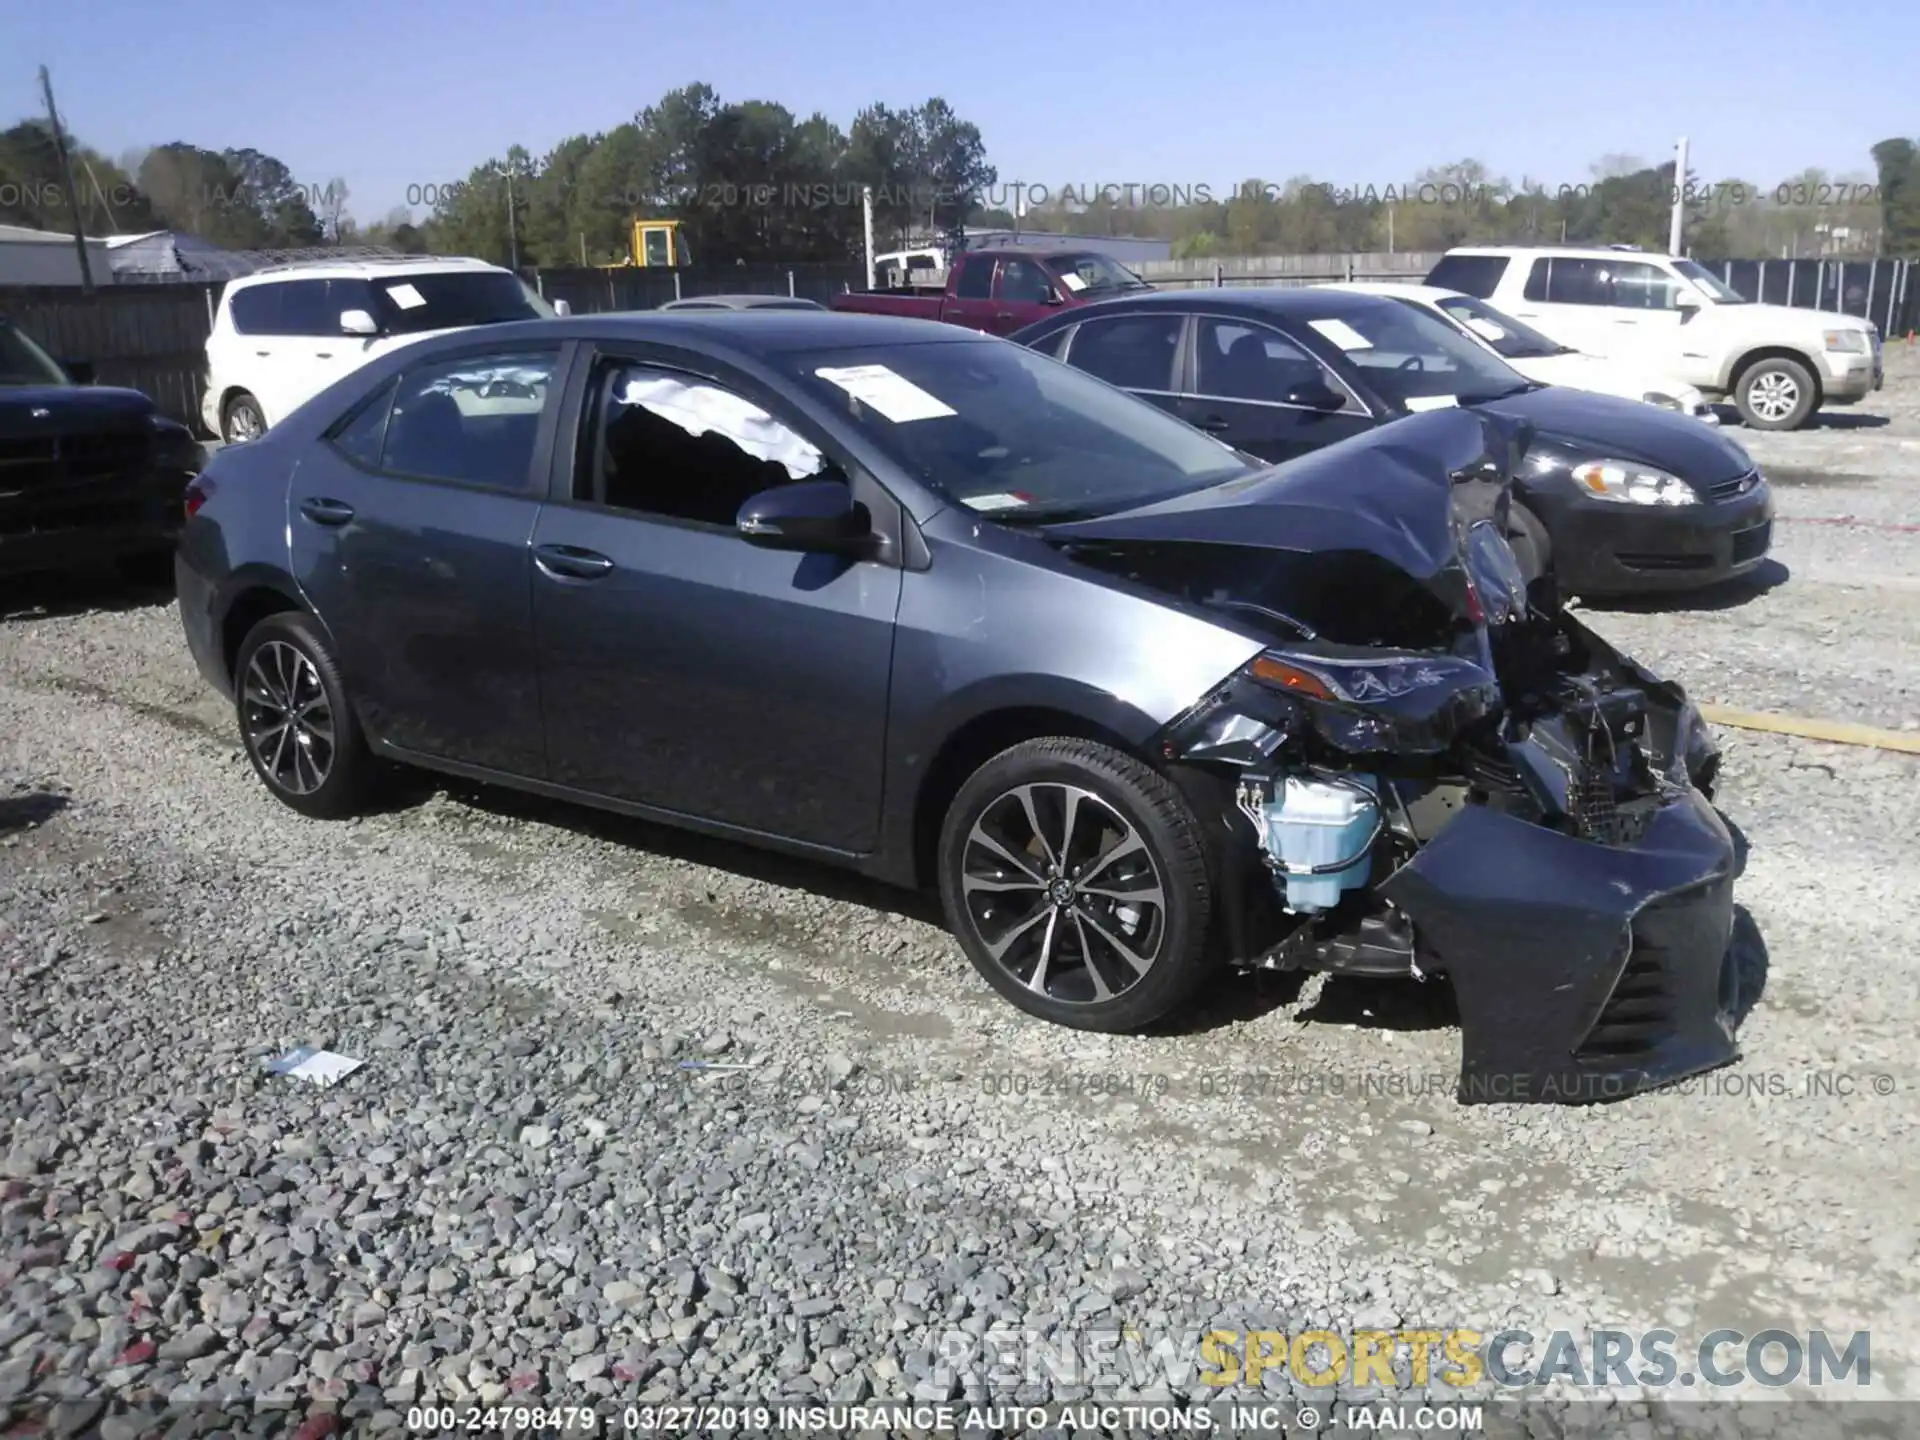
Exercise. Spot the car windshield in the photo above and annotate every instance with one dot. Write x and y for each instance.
(1094, 274)
(1414, 359)
(1722, 292)
(24, 363)
(1508, 336)
(410, 304)
(1011, 434)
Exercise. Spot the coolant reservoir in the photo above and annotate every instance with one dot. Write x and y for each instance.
(1325, 826)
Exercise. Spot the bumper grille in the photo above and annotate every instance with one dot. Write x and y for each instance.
(1752, 544)
(1598, 817)
(1733, 489)
(29, 462)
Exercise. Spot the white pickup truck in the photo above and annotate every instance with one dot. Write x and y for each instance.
(1778, 364)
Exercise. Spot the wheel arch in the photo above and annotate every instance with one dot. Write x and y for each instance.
(253, 598)
(1747, 359)
(976, 741)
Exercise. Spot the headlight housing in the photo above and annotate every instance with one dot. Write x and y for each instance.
(1848, 342)
(1630, 483)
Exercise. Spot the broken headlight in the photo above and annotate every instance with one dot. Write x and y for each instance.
(1365, 701)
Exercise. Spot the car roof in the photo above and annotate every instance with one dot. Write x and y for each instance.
(1578, 252)
(1306, 302)
(744, 302)
(752, 334)
(1393, 289)
(394, 267)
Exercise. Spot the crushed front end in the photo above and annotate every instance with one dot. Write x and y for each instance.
(1455, 777)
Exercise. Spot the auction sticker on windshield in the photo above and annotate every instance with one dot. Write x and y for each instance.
(406, 297)
(1342, 334)
(1012, 500)
(1430, 402)
(1072, 281)
(892, 394)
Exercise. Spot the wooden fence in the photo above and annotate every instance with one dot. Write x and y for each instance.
(152, 337)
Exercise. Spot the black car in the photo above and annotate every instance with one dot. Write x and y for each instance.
(1616, 496)
(911, 599)
(88, 473)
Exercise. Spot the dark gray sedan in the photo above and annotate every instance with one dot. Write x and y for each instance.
(911, 599)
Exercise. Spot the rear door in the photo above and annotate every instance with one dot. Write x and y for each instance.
(969, 299)
(1570, 298)
(410, 528)
(1138, 351)
(682, 667)
(1239, 377)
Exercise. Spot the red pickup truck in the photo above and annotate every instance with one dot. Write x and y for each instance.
(1000, 291)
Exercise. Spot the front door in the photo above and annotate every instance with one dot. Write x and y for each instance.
(1245, 380)
(682, 667)
(410, 529)
(1025, 293)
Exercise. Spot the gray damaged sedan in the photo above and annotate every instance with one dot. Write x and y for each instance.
(920, 602)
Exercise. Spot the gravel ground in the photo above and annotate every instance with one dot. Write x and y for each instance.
(522, 1193)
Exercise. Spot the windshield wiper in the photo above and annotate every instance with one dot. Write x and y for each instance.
(1523, 388)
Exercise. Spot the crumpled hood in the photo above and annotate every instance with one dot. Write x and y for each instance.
(1390, 492)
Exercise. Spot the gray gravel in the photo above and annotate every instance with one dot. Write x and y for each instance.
(522, 1194)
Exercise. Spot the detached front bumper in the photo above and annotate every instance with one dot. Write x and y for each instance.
(1583, 972)
(1601, 547)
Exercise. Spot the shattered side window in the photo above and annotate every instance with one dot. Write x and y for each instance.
(688, 449)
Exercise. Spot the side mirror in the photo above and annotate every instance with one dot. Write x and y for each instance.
(80, 372)
(807, 515)
(562, 309)
(1315, 395)
(1054, 298)
(1685, 299)
(358, 322)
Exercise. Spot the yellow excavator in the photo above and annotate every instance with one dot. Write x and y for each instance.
(656, 245)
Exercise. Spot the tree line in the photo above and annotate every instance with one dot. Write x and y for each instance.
(752, 181)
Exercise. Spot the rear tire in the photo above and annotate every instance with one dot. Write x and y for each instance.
(1076, 880)
(1776, 394)
(296, 722)
(242, 419)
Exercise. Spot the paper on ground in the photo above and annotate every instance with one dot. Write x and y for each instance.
(1342, 334)
(406, 297)
(316, 1067)
(893, 395)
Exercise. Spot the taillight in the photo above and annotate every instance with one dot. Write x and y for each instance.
(198, 493)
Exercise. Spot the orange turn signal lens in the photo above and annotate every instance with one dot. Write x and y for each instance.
(1285, 677)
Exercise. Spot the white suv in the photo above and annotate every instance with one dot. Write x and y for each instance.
(1777, 363)
(284, 334)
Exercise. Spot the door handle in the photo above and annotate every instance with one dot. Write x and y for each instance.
(1004, 315)
(323, 354)
(323, 511)
(264, 354)
(1213, 422)
(570, 562)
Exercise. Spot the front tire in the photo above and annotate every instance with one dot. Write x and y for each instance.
(1532, 546)
(1776, 394)
(296, 722)
(242, 419)
(1076, 880)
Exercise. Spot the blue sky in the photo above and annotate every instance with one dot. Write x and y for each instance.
(412, 93)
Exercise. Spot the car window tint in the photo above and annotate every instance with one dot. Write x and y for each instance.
(256, 309)
(1238, 361)
(475, 419)
(303, 310)
(1639, 286)
(976, 279)
(1469, 274)
(1053, 344)
(358, 434)
(1134, 352)
(684, 448)
(1023, 281)
(1562, 281)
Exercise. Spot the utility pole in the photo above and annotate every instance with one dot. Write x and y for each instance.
(866, 218)
(66, 178)
(513, 224)
(1677, 226)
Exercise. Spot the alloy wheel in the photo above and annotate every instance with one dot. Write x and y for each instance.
(288, 720)
(1773, 396)
(244, 423)
(1063, 893)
